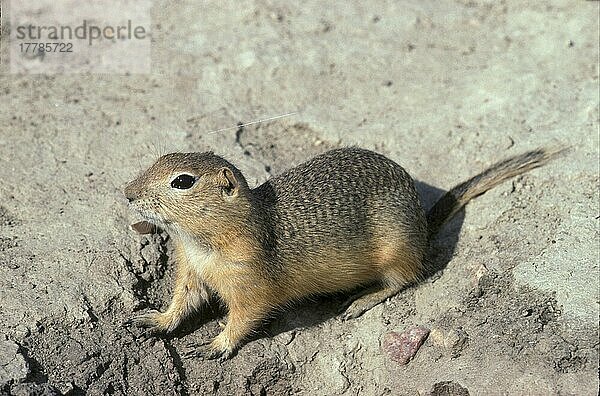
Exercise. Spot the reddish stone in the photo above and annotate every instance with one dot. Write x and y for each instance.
(402, 347)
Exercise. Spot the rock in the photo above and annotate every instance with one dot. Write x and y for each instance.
(22, 331)
(13, 367)
(481, 271)
(402, 347)
(447, 388)
(437, 336)
(453, 340)
(65, 388)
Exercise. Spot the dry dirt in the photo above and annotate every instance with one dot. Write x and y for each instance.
(443, 88)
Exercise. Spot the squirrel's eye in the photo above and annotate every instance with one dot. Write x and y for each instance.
(183, 182)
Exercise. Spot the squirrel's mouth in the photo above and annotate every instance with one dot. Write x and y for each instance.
(148, 223)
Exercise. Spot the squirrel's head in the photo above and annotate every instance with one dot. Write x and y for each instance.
(191, 192)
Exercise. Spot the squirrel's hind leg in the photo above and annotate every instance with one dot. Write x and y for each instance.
(364, 300)
(398, 269)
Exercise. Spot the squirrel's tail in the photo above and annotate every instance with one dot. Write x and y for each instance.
(456, 198)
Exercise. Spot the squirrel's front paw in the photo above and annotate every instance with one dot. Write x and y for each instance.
(154, 321)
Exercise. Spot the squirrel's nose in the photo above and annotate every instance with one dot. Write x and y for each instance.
(129, 194)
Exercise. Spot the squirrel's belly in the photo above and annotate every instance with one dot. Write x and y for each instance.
(332, 269)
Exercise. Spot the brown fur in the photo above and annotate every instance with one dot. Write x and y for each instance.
(345, 219)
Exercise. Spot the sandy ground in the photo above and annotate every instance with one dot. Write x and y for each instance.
(443, 88)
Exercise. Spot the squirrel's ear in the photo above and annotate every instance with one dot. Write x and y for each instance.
(228, 182)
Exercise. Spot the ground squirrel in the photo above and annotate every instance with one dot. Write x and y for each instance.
(344, 219)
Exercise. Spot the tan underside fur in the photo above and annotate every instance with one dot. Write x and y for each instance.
(250, 297)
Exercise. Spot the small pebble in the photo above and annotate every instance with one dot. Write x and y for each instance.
(456, 341)
(447, 388)
(65, 387)
(481, 272)
(453, 341)
(402, 347)
(22, 331)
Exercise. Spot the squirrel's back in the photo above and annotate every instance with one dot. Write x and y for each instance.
(342, 213)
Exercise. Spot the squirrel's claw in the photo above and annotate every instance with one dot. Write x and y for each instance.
(153, 321)
(206, 351)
